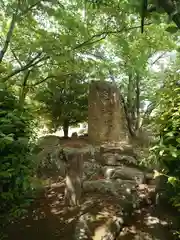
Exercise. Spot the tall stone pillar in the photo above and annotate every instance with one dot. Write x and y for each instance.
(106, 117)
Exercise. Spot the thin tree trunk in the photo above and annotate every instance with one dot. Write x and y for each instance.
(24, 89)
(9, 34)
(137, 124)
(128, 119)
(130, 105)
(66, 128)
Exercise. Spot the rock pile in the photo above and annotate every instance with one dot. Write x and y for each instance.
(115, 173)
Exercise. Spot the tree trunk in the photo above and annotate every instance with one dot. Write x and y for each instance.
(66, 128)
(128, 119)
(24, 89)
(9, 35)
(137, 124)
(130, 106)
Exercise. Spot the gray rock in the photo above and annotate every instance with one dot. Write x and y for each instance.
(117, 159)
(91, 169)
(129, 173)
(120, 148)
(108, 172)
(108, 159)
(118, 188)
(128, 160)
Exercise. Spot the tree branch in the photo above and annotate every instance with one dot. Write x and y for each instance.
(31, 63)
(12, 26)
(31, 7)
(26, 78)
(90, 41)
(159, 57)
(16, 58)
(9, 33)
(104, 34)
(43, 80)
(52, 76)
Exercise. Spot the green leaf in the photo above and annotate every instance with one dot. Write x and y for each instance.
(161, 152)
(5, 174)
(172, 180)
(170, 134)
(172, 29)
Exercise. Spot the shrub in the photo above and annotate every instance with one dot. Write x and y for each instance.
(16, 164)
(167, 148)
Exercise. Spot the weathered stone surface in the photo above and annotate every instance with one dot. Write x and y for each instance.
(129, 173)
(120, 188)
(111, 226)
(87, 152)
(92, 170)
(106, 117)
(108, 159)
(128, 160)
(108, 172)
(117, 159)
(122, 148)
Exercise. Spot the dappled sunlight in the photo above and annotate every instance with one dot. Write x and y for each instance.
(53, 218)
(150, 221)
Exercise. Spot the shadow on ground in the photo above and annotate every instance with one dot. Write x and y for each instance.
(48, 218)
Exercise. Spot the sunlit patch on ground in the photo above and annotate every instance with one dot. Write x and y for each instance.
(49, 218)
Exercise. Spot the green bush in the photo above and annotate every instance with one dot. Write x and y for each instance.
(167, 121)
(168, 126)
(16, 164)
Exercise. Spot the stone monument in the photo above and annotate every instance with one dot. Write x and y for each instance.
(106, 116)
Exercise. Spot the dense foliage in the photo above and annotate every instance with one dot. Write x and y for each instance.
(167, 122)
(51, 50)
(64, 103)
(15, 151)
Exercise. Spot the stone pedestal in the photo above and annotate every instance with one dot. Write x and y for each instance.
(106, 117)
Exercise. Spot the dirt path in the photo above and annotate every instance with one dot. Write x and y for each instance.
(49, 219)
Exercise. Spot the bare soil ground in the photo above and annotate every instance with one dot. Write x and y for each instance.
(48, 218)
